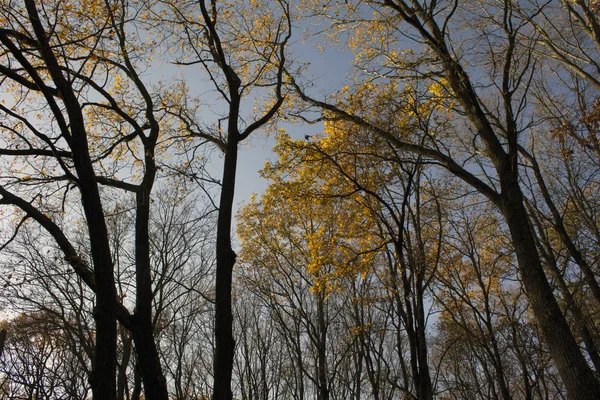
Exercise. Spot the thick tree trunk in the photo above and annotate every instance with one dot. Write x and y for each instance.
(579, 379)
(155, 384)
(224, 342)
(104, 363)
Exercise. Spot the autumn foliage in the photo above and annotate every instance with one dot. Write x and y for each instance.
(430, 229)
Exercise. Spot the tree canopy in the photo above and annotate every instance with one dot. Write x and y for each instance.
(438, 238)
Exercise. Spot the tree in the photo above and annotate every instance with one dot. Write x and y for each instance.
(242, 50)
(83, 118)
(2, 340)
(389, 193)
(182, 242)
(493, 122)
(264, 368)
(384, 240)
(298, 256)
(39, 362)
(472, 292)
(362, 234)
(105, 120)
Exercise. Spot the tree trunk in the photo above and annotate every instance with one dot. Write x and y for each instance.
(425, 387)
(579, 379)
(122, 375)
(323, 390)
(224, 342)
(155, 384)
(137, 383)
(2, 340)
(104, 363)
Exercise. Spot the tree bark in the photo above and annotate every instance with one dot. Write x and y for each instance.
(224, 342)
(122, 375)
(104, 363)
(579, 379)
(323, 386)
(155, 384)
(2, 340)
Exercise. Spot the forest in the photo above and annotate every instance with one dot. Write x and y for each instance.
(430, 229)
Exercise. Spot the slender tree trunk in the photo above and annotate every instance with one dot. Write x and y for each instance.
(2, 340)
(122, 376)
(299, 362)
(497, 359)
(323, 391)
(137, 383)
(425, 388)
(517, 345)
